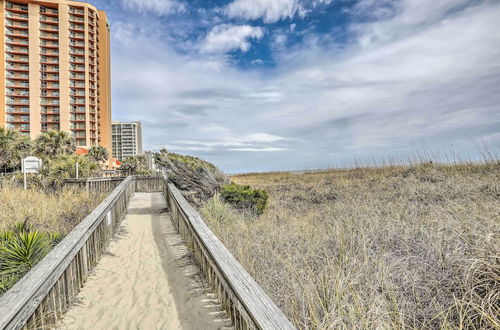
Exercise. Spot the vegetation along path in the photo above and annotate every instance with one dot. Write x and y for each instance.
(146, 279)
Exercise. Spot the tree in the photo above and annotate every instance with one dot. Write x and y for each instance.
(62, 167)
(54, 143)
(13, 148)
(98, 154)
(22, 147)
(135, 165)
(7, 138)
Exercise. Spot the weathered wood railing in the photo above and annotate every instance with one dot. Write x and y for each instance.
(94, 184)
(45, 292)
(248, 306)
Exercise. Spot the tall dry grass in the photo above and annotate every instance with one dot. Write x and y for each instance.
(394, 247)
(58, 211)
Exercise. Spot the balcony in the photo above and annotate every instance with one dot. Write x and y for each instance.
(53, 94)
(17, 59)
(77, 109)
(49, 44)
(77, 44)
(47, 69)
(50, 28)
(76, 27)
(77, 77)
(49, 36)
(16, 8)
(53, 109)
(18, 93)
(18, 101)
(52, 78)
(19, 110)
(16, 41)
(77, 68)
(47, 60)
(49, 11)
(16, 16)
(79, 36)
(76, 19)
(11, 75)
(19, 85)
(77, 11)
(16, 24)
(49, 20)
(74, 51)
(16, 33)
(49, 102)
(77, 101)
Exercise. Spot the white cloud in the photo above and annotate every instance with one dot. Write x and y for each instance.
(269, 10)
(160, 7)
(225, 38)
(439, 81)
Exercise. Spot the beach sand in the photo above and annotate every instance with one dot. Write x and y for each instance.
(146, 279)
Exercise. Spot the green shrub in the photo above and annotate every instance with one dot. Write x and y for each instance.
(21, 248)
(244, 197)
(216, 210)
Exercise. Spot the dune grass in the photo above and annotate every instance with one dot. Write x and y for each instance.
(58, 211)
(394, 247)
(32, 222)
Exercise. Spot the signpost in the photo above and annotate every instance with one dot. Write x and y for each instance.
(30, 165)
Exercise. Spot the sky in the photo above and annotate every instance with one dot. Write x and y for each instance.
(256, 85)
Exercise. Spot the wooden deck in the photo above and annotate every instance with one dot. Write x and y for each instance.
(42, 297)
(146, 280)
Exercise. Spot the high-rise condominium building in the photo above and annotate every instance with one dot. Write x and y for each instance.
(56, 72)
(127, 139)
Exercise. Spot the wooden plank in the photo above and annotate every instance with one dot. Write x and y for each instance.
(19, 303)
(264, 313)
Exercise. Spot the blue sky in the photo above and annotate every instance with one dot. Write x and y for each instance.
(256, 85)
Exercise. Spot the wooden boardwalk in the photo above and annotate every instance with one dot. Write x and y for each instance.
(148, 277)
(146, 280)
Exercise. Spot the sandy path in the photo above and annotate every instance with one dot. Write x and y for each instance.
(146, 280)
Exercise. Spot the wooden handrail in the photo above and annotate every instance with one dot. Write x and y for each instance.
(44, 293)
(248, 306)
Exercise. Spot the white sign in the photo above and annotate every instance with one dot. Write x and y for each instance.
(31, 164)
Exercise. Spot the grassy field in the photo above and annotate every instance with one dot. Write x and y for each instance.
(393, 247)
(47, 212)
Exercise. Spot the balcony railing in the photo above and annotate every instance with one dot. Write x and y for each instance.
(12, 6)
(19, 101)
(15, 33)
(16, 24)
(16, 15)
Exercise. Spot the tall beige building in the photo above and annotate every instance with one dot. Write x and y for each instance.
(56, 72)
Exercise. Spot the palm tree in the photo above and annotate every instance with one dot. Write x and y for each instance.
(21, 148)
(13, 148)
(54, 143)
(98, 154)
(7, 137)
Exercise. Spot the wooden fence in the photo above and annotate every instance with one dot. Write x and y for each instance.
(248, 306)
(94, 184)
(45, 293)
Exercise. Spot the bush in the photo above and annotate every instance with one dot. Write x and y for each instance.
(197, 179)
(216, 210)
(21, 248)
(61, 167)
(245, 198)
